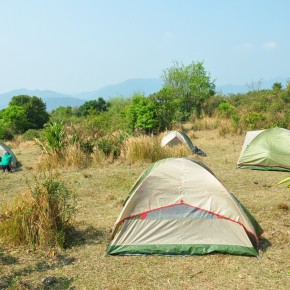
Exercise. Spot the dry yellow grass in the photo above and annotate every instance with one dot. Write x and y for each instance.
(102, 190)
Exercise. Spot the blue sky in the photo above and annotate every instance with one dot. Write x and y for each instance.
(72, 46)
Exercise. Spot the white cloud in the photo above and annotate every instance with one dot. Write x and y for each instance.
(270, 45)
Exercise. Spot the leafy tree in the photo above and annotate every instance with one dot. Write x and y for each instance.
(166, 108)
(94, 106)
(21, 100)
(15, 118)
(66, 114)
(117, 113)
(277, 86)
(118, 104)
(36, 113)
(6, 133)
(191, 85)
(141, 115)
(25, 112)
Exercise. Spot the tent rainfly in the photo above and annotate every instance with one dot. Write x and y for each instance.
(4, 148)
(174, 138)
(178, 207)
(266, 150)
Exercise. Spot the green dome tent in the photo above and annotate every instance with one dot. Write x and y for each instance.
(178, 207)
(266, 150)
(4, 148)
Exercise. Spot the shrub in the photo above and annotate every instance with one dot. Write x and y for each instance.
(6, 133)
(286, 97)
(226, 110)
(148, 148)
(87, 147)
(31, 134)
(108, 147)
(54, 135)
(254, 120)
(40, 217)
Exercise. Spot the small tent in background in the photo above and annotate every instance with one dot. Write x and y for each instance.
(174, 138)
(178, 207)
(4, 148)
(266, 150)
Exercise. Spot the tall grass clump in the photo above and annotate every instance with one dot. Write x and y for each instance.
(74, 156)
(148, 148)
(227, 126)
(205, 123)
(41, 217)
(176, 151)
(144, 148)
(61, 147)
(54, 135)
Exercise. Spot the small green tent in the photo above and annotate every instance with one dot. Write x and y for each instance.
(178, 207)
(4, 148)
(266, 150)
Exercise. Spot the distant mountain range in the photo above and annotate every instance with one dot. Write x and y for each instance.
(241, 89)
(127, 88)
(124, 89)
(54, 100)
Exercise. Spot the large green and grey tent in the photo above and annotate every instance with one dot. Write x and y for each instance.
(266, 150)
(4, 148)
(178, 207)
(174, 138)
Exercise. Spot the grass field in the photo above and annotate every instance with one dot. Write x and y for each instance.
(101, 191)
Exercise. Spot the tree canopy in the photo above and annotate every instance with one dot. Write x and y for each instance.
(141, 114)
(191, 85)
(93, 106)
(23, 113)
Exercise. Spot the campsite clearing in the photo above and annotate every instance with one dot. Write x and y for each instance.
(101, 192)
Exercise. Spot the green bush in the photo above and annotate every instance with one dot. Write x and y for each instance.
(254, 120)
(87, 147)
(31, 134)
(227, 110)
(54, 135)
(6, 133)
(286, 96)
(108, 147)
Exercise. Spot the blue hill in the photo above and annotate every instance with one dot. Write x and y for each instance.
(124, 89)
(52, 99)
